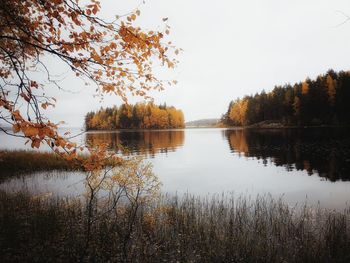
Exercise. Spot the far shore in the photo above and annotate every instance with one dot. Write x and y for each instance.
(278, 125)
(253, 126)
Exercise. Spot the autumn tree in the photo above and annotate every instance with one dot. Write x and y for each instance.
(238, 112)
(115, 56)
(305, 87)
(331, 89)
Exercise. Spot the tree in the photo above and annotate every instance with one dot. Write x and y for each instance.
(296, 106)
(331, 89)
(238, 112)
(305, 87)
(116, 56)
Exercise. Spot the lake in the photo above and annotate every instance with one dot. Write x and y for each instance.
(298, 165)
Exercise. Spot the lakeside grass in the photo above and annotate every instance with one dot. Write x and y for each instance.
(171, 229)
(15, 162)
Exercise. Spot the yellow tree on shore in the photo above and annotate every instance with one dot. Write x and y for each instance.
(238, 112)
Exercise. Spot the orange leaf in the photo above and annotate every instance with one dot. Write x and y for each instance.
(16, 128)
(30, 131)
(35, 143)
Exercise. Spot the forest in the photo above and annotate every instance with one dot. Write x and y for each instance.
(323, 101)
(138, 116)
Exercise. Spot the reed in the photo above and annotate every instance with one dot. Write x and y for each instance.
(170, 229)
(22, 162)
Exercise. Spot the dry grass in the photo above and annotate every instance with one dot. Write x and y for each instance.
(190, 229)
(21, 162)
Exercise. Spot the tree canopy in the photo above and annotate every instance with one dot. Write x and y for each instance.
(116, 56)
(138, 116)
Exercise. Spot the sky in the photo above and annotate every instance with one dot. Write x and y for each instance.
(231, 49)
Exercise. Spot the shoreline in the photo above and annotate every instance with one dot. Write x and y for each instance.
(253, 126)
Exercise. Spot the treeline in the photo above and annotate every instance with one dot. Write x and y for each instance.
(323, 101)
(138, 116)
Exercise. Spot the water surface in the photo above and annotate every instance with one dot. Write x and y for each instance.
(297, 164)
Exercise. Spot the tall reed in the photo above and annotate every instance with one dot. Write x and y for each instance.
(171, 229)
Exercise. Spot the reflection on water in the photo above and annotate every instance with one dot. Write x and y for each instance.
(323, 151)
(59, 183)
(146, 143)
(210, 161)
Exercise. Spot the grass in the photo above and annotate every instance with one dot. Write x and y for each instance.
(218, 229)
(21, 162)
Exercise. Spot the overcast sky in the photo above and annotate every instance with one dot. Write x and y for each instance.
(231, 49)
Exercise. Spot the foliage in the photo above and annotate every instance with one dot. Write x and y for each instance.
(117, 191)
(138, 116)
(323, 101)
(191, 229)
(116, 56)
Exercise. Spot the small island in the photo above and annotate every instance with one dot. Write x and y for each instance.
(138, 116)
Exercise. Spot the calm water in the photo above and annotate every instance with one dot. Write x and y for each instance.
(297, 164)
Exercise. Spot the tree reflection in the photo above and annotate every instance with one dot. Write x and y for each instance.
(139, 142)
(323, 151)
